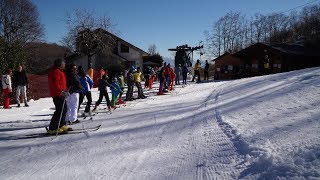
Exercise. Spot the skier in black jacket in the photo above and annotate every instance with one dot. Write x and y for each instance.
(103, 84)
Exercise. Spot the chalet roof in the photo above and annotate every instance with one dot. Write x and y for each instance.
(225, 54)
(291, 49)
(120, 39)
(297, 49)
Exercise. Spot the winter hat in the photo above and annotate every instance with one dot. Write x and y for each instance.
(114, 79)
(132, 69)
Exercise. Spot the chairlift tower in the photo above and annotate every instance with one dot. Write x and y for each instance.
(183, 54)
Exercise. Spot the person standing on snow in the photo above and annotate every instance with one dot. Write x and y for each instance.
(103, 84)
(7, 88)
(152, 77)
(178, 71)
(115, 91)
(206, 71)
(57, 88)
(197, 67)
(121, 84)
(20, 83)
(130, 84)
(86, 83)
(74, 87)
(172, 78)
(185, 71)
(137, 80)
(162, 79)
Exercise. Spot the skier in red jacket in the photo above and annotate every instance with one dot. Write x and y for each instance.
(57, 88)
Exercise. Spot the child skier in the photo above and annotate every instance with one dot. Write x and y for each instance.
(161, 78)
(172, 78)
(121, 84)
(115, 91)
(103, 83)
(7, 89)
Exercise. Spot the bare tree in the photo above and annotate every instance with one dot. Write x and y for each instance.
(233, 32)
(88, 34)
(19, 21)
(227, 34)
(152, 50)
(19, 24)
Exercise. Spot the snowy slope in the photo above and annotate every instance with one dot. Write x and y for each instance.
(263, 127)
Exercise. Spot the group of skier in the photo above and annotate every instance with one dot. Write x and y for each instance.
(69, 85)
(18, 84)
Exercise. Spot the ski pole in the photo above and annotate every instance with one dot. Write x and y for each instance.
(64, 101)
(63, 104)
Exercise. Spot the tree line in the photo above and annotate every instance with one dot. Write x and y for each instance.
(234, 31)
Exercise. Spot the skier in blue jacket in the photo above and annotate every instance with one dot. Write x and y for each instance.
(115, 91)
(86, 83)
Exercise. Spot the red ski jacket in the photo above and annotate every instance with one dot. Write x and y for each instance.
(57, 82)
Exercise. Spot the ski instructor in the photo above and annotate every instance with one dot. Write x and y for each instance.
(57, 88)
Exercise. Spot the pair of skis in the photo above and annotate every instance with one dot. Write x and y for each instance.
(84, 130)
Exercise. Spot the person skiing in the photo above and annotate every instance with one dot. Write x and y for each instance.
(57, 89)
(152, 77)
(115, 91)
(87, 84)
(197, 67)
(121, 84)
(167, 75)
(162, 79)
(206, 71)
(7, 88)
(172, 78)
(146, 74)
(103, 84)
(130, 84)
(185, 71)
(137, 80)
(178, 72)
(20, 84)
(74, 87)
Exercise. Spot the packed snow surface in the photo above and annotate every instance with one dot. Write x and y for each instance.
(265, 127)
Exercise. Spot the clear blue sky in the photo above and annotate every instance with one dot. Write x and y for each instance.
(165, 23)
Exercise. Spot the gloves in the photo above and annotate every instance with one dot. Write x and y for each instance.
(64, 94)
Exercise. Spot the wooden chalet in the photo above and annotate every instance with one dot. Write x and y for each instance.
(261, 59)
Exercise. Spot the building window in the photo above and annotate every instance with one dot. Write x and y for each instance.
(124, 48)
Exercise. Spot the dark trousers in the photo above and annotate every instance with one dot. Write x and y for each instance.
(129, 92)
(146, 84)
(206, 75)
(58, 103)
(89, 98)
(106, 96)
(140, 90)
(184, 78)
